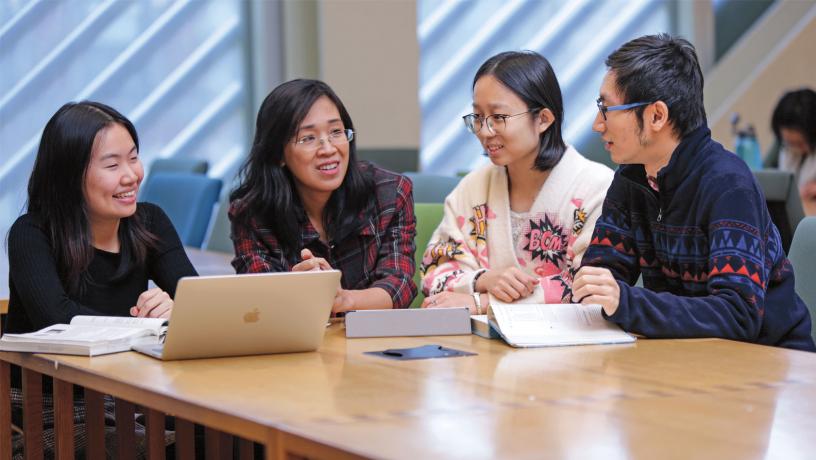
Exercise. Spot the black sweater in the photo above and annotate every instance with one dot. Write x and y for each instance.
(37, 294)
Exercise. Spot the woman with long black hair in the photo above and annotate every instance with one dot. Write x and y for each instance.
(85, 246)
(304, 202)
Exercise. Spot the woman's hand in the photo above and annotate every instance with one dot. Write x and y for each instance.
(153, 303)
(447, 299)
(310, 263)
(343, 301)
(507, 285)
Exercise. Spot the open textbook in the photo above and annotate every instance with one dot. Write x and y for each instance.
(545, 325)
(89, 336)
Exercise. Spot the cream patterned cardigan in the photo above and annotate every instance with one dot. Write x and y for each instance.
(475, 232)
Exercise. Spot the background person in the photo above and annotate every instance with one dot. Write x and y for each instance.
(794, 124)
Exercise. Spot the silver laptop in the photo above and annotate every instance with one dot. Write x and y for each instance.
(253, 314)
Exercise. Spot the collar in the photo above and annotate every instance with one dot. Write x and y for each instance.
(685, 158)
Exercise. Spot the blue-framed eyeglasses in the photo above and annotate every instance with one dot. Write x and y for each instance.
(603, 109)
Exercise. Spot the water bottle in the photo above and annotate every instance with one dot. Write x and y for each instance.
(747, 148)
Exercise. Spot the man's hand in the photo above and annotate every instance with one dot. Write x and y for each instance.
(596, 285)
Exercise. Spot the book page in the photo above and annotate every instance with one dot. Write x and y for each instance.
(78, 334)
(157, 325)
(555, 324)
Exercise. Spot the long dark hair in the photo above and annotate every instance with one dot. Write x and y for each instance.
(55, 192)
(531, 77)
(267, 190)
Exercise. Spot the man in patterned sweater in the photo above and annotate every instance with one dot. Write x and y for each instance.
(684, 212)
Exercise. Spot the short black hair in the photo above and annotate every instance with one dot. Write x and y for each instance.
(796, 110)
(531, 77)
(661, 68)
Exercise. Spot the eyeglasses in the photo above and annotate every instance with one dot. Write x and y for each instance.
(336, 137)
(603, 109)
(496, 122)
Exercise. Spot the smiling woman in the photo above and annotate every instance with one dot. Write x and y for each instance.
(305, 203)
(85, 247)
(517, 228)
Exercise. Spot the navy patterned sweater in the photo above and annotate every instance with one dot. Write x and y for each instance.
(711, 259)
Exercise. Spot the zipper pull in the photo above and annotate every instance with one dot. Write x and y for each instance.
(660, 215)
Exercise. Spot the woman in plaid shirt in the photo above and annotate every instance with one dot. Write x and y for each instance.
(304, 202)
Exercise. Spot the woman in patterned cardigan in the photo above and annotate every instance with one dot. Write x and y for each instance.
(515, 229)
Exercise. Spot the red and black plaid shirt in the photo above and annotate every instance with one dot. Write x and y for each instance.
(378, 252)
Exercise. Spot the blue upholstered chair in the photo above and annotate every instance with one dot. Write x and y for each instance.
(188, 200)
(179, 164)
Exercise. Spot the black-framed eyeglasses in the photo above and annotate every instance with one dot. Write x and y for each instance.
(336, 137)
(603, 109)
(496, 122)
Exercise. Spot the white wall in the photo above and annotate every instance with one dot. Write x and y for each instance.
(370, 56)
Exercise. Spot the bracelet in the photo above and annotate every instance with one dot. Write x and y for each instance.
(478, 300)
(476, 278)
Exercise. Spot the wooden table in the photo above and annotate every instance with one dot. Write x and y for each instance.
(652, 399)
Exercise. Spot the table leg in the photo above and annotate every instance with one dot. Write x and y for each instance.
(5, 411)
(64, 419)
(32, 414)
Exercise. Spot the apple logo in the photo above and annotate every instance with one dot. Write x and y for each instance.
(252, 316)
